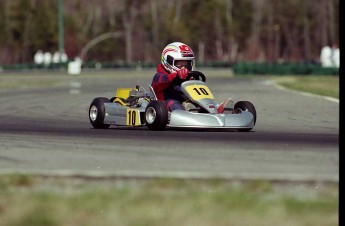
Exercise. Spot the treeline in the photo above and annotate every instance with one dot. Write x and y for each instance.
(137, 30)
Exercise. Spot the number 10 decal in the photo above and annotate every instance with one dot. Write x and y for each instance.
(198, 92)
(133, 117)
(201, 91)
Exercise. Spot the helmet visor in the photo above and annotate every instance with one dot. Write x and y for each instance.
(184, 64)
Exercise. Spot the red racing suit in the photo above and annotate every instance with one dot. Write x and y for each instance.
(168, 88)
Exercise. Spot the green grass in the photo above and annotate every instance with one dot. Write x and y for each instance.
(35, 201)
(320, 85)
(28, 81)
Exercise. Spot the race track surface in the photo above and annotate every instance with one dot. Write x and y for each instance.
(47, 131)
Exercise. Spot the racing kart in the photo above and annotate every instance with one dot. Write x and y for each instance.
(133, 107)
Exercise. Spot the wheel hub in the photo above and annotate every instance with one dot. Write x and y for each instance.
(93, 113)
(150, 115)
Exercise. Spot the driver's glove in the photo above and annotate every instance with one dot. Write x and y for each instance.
(183, 73)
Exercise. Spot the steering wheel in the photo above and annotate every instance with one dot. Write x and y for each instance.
(196, 75)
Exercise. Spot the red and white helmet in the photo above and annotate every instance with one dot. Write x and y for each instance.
(177, 51)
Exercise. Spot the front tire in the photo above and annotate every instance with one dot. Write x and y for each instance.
(246, 106)
(156, 115)
(97, 113)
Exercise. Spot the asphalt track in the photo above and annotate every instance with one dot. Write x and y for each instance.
(46, 131)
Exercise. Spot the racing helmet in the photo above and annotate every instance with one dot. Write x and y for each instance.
(177, 51)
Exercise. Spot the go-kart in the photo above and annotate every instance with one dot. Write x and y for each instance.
(133, 107)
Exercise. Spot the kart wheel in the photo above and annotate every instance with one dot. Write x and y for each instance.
(156, 115)
(97, 113)
(246, 106)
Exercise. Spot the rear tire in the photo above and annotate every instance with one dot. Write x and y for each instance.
(156, 115)
(97, 113)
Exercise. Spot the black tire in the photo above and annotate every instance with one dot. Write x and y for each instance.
(97, 113)
(246, 106)
(156, 115)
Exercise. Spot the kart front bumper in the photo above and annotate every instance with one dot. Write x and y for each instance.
(180, 118)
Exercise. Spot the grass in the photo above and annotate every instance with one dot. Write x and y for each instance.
(49, 201)
(320, 85)
(28, 81)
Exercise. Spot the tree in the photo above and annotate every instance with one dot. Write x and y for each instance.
(217, 30)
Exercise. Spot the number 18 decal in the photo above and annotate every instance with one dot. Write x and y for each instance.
(133, 117)
(199, 92)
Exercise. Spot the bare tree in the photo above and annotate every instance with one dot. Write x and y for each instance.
(155, 25)
(128, 19)
(254, 49)
(219, 36)
(232, 44)
(306, 31)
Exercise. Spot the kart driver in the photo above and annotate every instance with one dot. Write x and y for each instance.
(176, 62)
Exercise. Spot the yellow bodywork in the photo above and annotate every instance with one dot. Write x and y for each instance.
(122, 94)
